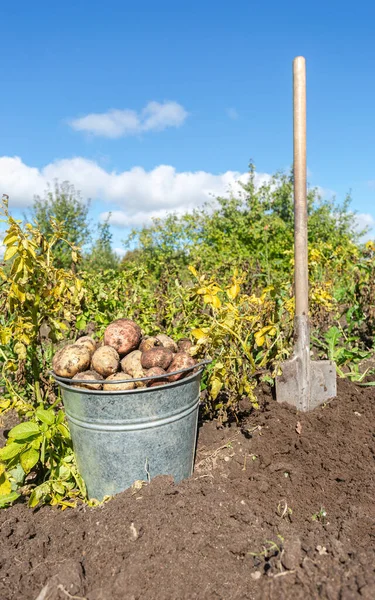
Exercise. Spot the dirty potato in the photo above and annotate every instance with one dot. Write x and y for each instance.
(70, 360)
(156, 371)
(149, 342)
(181, 360)
(127, 385)
(157, 357)
(131, 363)
(89, 375)
(123, 335)
(184, 345)
(105, 361)
(167, 342)
(88, 342)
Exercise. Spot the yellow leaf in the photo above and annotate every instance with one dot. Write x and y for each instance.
(5, 487)
(233, 291)
(215, 386)
(216, 302)
(193, 271)
(10, 252)
(207, 298)
(260, 335)
(10, 238)
(20, 350)
(18, 292)
(198, 333)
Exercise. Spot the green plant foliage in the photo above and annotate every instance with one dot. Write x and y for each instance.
(221, 276)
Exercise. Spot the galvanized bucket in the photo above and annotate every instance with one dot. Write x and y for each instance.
(120, 437)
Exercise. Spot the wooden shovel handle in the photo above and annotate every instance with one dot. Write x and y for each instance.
(300, 202)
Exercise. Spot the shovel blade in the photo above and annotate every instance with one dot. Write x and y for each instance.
(306, 388)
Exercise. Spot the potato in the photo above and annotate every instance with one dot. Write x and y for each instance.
(123, 335)
(167, 342)
(149, 342)
(156, 371)
(131, 363)
(110, 387)
(157, 357)
(105, 361)
(88, 342)
(70, 360)
(88, 375)
(156, 383)
(181, 360)
(184, 345)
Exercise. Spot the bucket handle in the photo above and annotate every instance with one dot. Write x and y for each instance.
(201, 364)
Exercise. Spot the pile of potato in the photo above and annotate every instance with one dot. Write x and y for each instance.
(123, 354)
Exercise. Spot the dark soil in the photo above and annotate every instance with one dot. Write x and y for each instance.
(242, 527)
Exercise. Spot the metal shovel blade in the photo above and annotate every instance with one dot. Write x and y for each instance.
(305, 383)
(304, 393)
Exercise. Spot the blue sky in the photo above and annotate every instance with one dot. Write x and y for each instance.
(195, 90)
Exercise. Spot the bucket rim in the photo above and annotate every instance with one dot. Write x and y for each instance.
(66, 383)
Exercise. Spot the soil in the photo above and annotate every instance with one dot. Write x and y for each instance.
(281, 507)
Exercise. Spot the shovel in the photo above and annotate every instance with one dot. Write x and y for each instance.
(304, 383)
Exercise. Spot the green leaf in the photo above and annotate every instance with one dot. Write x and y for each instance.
(11, 450)
(60, 417)
(38, 493)
(46, 416)
(36, 443)
(28, 459)
(58, 487)
(8, 499)
(64, 431)
(24, 431)
(17, 474)
(81, 323)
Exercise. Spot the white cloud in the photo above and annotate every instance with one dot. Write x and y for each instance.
(133, 196)
(364, 220)
(232, 113)
(120, 252)
(120, 123)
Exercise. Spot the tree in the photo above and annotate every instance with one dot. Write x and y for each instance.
(102, 256)
(64, 204)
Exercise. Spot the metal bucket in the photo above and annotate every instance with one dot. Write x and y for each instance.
(123, 436)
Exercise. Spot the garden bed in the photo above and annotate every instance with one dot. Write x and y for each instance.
(281, 507)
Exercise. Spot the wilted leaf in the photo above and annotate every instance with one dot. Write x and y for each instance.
(28, 459)
(216, 384)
